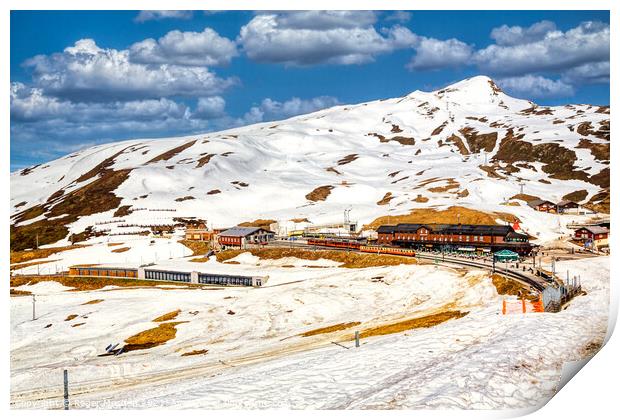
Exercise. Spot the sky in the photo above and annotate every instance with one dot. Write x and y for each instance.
(81, 78)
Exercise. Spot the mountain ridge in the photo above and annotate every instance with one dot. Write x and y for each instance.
(468, 144)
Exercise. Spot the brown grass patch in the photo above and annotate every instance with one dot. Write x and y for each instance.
(456, 140)
(491, 171)
(197, 247)
(505, 286)
(598, 150)
(319, 193)
(525, 197)
(115, 243)
(70, 317)
(261, 223)
(167, 317)
(348, 259)
(28, 264)
(122, 211)
(35, 254)
(410, 324)
(450, 185)
(123, 249)
(89, 283)
(195, 352)
(204, 160)
(300, 220)
(420, 199)
(448, 216)
(386, 199)
(187, 197)
(479, 142)
(93, 302)
(576, 196)
(347, 159)
(331, 169)
(212, 192)
(152, 337)
(78, 324)
(331, 328)
(172, 152)
(15, 292)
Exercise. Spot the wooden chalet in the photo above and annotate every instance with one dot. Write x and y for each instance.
(239, 237)
(543, 205)
(567, 206)
(198, 232)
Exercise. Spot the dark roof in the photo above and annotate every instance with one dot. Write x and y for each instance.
(240, 231)
(448, 229)
(565, 202)
(535, 203)
(595, 229)
(386, 229)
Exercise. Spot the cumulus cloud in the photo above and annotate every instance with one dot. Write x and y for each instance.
(326, 20)
(270, 109)
(531, 86)
(86, 72)
(211, 107)
(516, 35)
(206, 48)
(588, 73)
(308, 38)
(398, 16)
(552, 51)
(434, 54)
(146, 15)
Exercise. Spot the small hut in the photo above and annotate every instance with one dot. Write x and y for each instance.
(506, 255)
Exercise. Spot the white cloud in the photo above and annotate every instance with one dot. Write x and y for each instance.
(434, 54)
(325, 20)
(588, 73)
(516, 35)
(555, 51)
(308, 38)
(270, 109)
(204, 48)
(211, 107)
(531, 86)
(31, 105)
(146, 15)
(85, 72)
(398, 16)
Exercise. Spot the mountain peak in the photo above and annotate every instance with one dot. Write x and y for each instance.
(477, 84)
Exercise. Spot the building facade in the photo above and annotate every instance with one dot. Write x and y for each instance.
(446, 237)
(543, 205)
(198, 233)
(595, 236)
(239, 237)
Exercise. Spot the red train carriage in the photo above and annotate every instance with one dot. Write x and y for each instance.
(388, 250)
(335, 243)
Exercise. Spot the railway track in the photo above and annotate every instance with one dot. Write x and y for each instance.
(537, 283)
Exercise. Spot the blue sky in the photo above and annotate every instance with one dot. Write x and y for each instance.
(83, 78)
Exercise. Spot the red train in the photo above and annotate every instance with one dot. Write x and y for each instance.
(348, 244)
(335, 243)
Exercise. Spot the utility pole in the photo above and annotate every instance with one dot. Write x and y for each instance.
(521, 184)
(66, 388)
(37, 241)
(34, 313)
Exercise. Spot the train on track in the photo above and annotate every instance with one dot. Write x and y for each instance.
(359, 246)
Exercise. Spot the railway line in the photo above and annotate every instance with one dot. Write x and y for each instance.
(531, 280)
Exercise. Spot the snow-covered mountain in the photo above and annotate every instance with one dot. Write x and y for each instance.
(468, 144)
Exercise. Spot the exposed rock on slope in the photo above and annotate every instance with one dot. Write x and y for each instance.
(471, 132)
